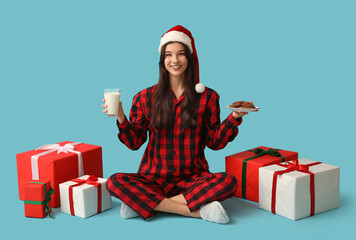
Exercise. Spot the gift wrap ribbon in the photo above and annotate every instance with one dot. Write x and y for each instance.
(295, 166)
(91, 180)
(259, 153)
(69, 147)
(46, 201)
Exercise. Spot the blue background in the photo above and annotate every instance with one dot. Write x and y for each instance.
(294, 59)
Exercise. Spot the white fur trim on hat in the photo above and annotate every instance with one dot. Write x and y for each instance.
(176, 36)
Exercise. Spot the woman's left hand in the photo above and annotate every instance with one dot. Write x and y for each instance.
(237, 115)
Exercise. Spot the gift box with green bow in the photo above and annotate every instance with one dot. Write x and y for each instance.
(37, 198)
(244, 166)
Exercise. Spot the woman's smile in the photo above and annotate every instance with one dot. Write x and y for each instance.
(176, 67)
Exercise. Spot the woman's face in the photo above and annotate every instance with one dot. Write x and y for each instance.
(175, 60)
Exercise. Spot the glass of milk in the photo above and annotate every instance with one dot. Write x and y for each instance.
(112, 100)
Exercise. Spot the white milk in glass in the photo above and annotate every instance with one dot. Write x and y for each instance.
(112, 99)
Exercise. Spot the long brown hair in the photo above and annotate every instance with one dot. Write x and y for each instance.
(162, 116)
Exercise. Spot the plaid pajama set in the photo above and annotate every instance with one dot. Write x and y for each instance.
(174, 161)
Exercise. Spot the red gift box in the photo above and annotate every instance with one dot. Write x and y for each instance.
(37, 195)
(244, 166)
(58, 163)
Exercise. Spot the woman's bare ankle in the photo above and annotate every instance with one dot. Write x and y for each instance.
(179, 198)
(195, 214)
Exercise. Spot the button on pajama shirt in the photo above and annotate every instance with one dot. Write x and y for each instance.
(174, 162)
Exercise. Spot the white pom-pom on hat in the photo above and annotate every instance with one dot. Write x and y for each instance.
(199, 87)
(183, 35)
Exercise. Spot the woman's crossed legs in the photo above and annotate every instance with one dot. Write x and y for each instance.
(147, 195)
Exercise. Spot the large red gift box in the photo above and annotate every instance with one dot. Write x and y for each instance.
(244, 166)
(58, 163)
(37, 195)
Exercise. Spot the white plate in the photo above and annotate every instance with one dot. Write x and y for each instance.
(243, 109)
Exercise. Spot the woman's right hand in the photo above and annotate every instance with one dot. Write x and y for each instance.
(120, 116)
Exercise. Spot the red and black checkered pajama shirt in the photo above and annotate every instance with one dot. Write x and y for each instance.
(174, 161)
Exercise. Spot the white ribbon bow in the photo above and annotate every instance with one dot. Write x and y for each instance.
(66, 148)
(69, 147)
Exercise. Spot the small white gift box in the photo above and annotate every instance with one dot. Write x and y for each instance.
(84, 196)
(299, 188)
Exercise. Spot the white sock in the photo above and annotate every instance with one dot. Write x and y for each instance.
(127, 211)
(214, 212)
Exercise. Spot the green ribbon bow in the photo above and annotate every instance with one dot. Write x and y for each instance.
(259, 153)
(46, 201)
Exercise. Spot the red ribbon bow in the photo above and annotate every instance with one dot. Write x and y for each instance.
(91, 180)
(295, 166)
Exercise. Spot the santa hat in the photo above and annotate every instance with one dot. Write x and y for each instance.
(183, 35)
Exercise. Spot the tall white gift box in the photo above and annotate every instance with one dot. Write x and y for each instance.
(299, 188)
(84, 196)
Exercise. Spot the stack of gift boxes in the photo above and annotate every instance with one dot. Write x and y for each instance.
(66, 174)
(283, 184)
(69, 174)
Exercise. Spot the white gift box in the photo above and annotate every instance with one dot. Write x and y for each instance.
(293, 189)
(84, 198)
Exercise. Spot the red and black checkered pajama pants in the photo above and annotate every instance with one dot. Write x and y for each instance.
(144, 192)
